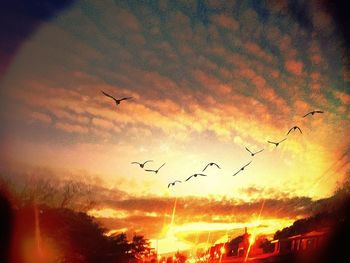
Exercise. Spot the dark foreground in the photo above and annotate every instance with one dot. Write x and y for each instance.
(317, 257)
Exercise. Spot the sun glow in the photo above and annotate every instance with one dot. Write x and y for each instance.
(251, 243)
(222, 250)
(264, 226)
(116, 231)
(107, 213)
(174, 240)
(252, 239)
(169, 243)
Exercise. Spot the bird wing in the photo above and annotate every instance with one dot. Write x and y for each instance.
(271, 142)
(259, 151)
(169, 184)
(148, 170)
(217, 165)
(147, 161)
(307, 114)
(246, 164)
(188, 178)
(296, 127)
(135, 163)
(202, 174)
(248, 150)
(125, 98)
(177, 181)
(290, 130)
(206, 167)
(318, 111)
(282, 140)
(161, 166)
(237, 172)
(108, 95)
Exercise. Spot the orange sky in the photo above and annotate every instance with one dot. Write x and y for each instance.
(205, 85)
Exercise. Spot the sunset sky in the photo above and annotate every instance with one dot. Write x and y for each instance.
(207, 79)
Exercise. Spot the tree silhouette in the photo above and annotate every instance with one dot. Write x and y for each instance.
(78, 237)
(140, 247)
(121, 247)
(51, 192)
(180, 258)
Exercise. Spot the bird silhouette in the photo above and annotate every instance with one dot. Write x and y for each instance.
(277, 143)
(194, 175)
(155, 171)
(142, 164)
(211, 164)
(117, 101)
(312, 113)
(242, 168)
(173, 183)
(293, 129)
(251, 153)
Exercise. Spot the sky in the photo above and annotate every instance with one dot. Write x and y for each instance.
(207, 79)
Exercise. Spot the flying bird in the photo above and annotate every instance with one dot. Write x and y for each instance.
(242, 168)
(155, 171)
(293, 129)
(211, 164)
(277, 143)
(312, 112)
(117, 101)
(252, 154)
(194, 175)
(173, 183)
(142, 164)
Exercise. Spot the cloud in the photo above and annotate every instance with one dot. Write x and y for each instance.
(174, 108)
(212, 83)
(102, 123)
(180, 26)
(225, 21)
(294, 67)
(212, 79)
(66, 115)
(41, 117)
(301, 106)
(166, 50)
(117, 209)
(346, 75)
(250, 23)
(343, 97)
(282, 207)
(259, 52)
(160, 110)
(321, 19)
(315, 76)
(144, 213)
(120, 19)
(316, 59)
(71, 128)
(279, 6)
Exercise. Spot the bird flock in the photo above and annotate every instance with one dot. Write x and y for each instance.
(276, 143)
